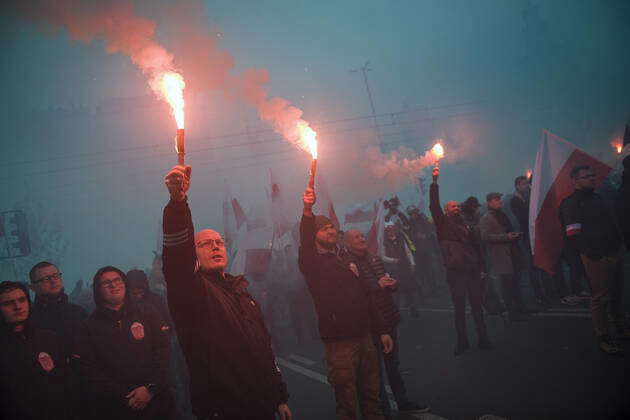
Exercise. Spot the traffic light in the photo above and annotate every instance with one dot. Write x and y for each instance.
(14, 232)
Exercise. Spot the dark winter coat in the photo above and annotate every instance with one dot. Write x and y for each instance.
(62, 317)
(343, 300)
(504, 253)
(371, 268)
(590, 225)
(121, 350)
(460, 248)
(402, 270)
(520, 210)
(220, 328)
(33, 374)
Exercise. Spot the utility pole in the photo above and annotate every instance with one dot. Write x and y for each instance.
(364, 70)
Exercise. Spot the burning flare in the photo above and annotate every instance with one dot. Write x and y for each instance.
(307, 138)
(528, 173)
(170, 87)
(618, 147)
(438, 152)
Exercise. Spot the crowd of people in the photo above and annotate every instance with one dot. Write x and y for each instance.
(124, 358)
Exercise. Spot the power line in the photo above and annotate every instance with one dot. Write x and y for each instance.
(247, 133)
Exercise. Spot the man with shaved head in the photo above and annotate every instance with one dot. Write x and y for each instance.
(220, 326)
(463, 260)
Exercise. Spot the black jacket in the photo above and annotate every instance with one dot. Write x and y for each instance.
(121, 350)
(343, 300)
(62, 317)
(220, 328)
(460, 247)
(371, 268)
(33, 375)
(520, 210)
(589, 225)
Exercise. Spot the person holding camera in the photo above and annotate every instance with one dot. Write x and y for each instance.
(504, 254)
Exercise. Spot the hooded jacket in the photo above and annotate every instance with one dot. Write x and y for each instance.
(343, 300)
(220, 328)
(119, 351)
(622, 203)
(33, 372)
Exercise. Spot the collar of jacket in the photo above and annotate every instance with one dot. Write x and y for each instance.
(323, 251)
(43, 300)
(111, 314)
(238, 284)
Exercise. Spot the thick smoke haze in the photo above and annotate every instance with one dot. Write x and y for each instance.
(86, 142)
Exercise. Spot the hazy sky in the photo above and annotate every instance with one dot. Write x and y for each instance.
(86, 144)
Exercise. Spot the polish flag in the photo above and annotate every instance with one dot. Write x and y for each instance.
(233, 219)
(551, 184)
(324, 205)
(376, 235)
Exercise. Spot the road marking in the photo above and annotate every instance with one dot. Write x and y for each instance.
(302, 360)
(306, 372)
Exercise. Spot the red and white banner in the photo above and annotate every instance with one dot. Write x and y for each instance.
(551, 184)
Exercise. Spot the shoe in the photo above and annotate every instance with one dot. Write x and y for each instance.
(585, 294)
(608, 346)
(485, 344)
(570, 300)
(411, 407)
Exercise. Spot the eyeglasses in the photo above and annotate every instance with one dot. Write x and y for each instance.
(212, 243)
(110, 284)
(49, 279)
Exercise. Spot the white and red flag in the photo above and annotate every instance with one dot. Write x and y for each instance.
(376, 235)
(324, 205)
(551, 184)
(233, 219)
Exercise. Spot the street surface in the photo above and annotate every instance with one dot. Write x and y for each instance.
(545, 368)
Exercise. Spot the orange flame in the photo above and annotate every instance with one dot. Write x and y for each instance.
(528, 173)
(170, 86)
(438, 151)
(307, 138)
(618, 147)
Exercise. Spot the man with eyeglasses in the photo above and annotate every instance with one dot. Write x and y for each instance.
(220, 326)
(51, 309)
(33, 367)
(464, 264)
(591, 229)
(124, 355)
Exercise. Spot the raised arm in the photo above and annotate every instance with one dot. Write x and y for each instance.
(308, 251)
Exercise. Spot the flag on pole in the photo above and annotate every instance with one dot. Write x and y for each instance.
(376, 235)
(229, 221)
(239, 214)
(551, 184)
(421, 187)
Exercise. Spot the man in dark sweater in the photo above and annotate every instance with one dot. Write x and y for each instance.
(33, 366)
(372, 270)
(590, 227)
(51, 309)
(220, 327)
(124, 354)
(347, 316)
(465, 269)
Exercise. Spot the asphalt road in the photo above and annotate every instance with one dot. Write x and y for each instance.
(545, 368)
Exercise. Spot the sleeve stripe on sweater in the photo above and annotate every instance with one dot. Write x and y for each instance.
(175, 239)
